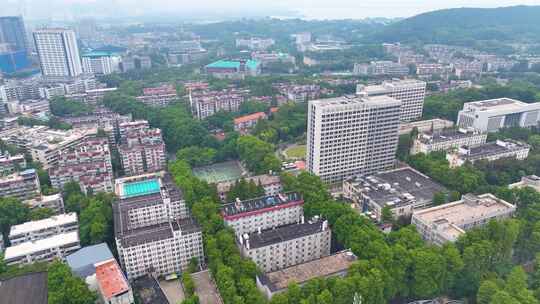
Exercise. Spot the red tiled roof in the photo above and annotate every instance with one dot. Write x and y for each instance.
(250, 117)
(111, 279)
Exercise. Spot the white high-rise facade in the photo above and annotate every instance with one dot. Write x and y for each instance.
(58, 53)
(351, 135)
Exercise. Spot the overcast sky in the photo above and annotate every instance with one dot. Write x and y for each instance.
(313, 9)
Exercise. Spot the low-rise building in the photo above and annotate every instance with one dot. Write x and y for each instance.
(246, 122)
(235, 69)
(299, 93)
(435, 124)
(206, 103)
(445, 223)
(335, 265)
(37, 230)
(11, 163)
(141, 148)
(263, 213)
(270, 183)
(402, 190)
(288, 245)
(381, 68)
(55, 202)
(427, 70)
(428, 142)
(267, 59)
(532, 181)
(21, 185)
(44, 250)
(159, 96)
(490, 151)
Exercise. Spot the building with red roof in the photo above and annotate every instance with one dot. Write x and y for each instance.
(113, 285)
(243, 123)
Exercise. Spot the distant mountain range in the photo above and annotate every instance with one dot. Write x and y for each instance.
(466, 25)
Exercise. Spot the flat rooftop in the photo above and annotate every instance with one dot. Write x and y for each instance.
(397, 187)
(83, 260)
(267, 202)
(445, 135)
(284, 233)
(53, 221)
(25, 289)
(348, 100)
(497, 104)
(44, 244)
(111, 280)
(323, 267)
(148, 291)
(492, 148)
(470, 207)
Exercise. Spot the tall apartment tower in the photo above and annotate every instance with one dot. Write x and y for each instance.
(58, 53)
(410, 92)
(12, 32)
(351, 135)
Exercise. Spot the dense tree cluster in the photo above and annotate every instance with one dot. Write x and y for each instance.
(257, 155)
(62, 107)
(243, 190)
(65, 288)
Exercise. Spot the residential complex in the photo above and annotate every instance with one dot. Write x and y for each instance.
(490, 151)
(44, 250)
(289, 245)
(411, 93)
(244, 123)
(445, 223)
(335, 265)
(153, 229)
(263, 213)
(271, 184)
(42, 229)
(21, 185)
(381, 68)
(494, 114)
(159, 96)
(55, 202)
(428, 142)
(267, 59)
(299, 93)
(428, 125)
(58, 53)
(235, 69)
(101, 63)
(402, 190)
(10, 164)
(351, 135)
(88, 163)
(206, 103)
(141, 148)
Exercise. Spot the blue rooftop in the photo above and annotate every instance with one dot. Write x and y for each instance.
(82, 261)
(233, 64)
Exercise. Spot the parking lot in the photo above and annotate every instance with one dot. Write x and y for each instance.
(205, 289)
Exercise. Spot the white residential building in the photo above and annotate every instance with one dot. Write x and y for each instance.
(532, 181)
(351, 135)
(55, 202)
(37, 230)
(494, 114)
(411, 93)
(101, 63)
(445, 223)
(44, 250)
(285, 246)
(21, 185)
(428, 142)
(263, 213)
(58, 53)
(490, 151)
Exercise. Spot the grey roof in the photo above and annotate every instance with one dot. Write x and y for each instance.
(25, 289)
(260, 203)
(149, 291)
(82, 261)
(284, 233)
(493, 148)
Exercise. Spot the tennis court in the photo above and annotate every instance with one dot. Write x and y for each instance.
(141, 188)
(219, 172)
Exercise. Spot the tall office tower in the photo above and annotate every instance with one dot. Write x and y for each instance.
(12, 32)
(352, 135)
(58, 53)
(410, 92)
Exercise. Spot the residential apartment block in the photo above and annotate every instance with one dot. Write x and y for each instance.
(206, 103)
(42, 229)
(402, 190)
(246, 122)
(490, 151)
(88, 163)
(11, 163)
(494, 114)
(445, 223)
(381, 68)
(263, 213)
(271, 184)
(289, 245)
(21, 185)
(58, 53)
(141, 148)
(428, 142)
(55, 202)
(351, 135)
(159, 96)
(255, 43)
(44, 250)
(411, 93)
(299, 93)
(336, 265)
(154, 232)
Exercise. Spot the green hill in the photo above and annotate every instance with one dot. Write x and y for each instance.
(466, 26)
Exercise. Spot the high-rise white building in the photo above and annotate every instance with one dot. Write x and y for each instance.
(351, 135)
(58, 53)
(411, 93)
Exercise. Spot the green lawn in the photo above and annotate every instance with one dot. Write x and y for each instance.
(296, 152)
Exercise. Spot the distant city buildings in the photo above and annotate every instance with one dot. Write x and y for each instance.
(160, 96)
(206, 103)
(401, 190)
(447, 222)
(381, 68)
(494, 114)
(429, 125)
(351, 135)
(299, 93)
(58, 53)
(286, 246)
(135, 62)
(244, 123)
(411, 93)
(489, 151)
(14, 48)
(20, 185)
(532, 181)
(101, 63)
(235, 69)
(255, 43)
(267, 59)
(427, 142)
(9, 164)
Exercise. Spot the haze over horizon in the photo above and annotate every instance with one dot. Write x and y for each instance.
(212, 9)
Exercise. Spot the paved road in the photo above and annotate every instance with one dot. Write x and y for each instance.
(205, 288)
